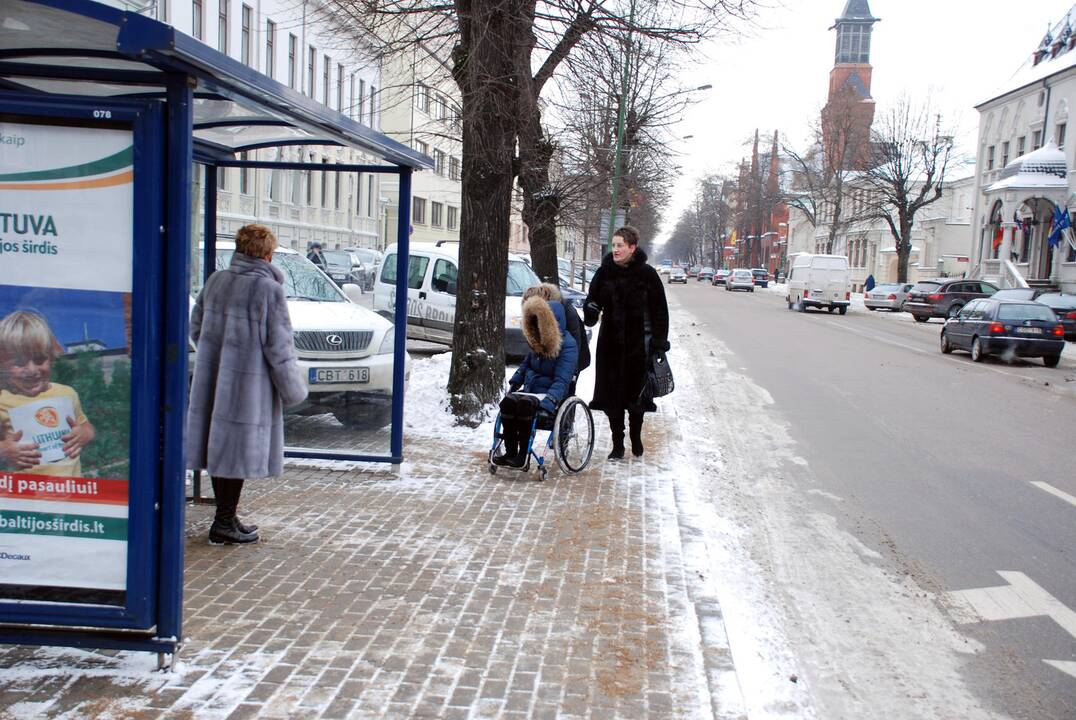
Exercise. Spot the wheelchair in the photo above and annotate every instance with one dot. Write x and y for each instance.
(571, 438)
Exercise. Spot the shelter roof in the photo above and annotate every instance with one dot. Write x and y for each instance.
(82, 48)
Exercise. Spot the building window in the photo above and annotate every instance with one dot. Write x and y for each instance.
(326, 71)
(422, 147)
(337, 186)
(351, 95)
(293, 50)
(436, 210)
(340, 87)
(244, 175)
(270, 48)
(439, 162)
(325, 184)
(276, 178)
(990, 158)
(418, 211)
(1021, 143)
(1061, 135)
(454, 168)
(222, 25)
(373, 107)
(311, 70)
(361, 99)
(197, 20)
(1036, 139)
(453, 217)
(422, 97)
(1004, 154)
(371, 190)
(244, 41)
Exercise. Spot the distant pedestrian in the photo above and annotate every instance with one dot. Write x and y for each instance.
(628, 296)
(869, 284)
(245, 372)
(316, 256)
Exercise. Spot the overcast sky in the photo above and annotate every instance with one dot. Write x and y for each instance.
(960, 51)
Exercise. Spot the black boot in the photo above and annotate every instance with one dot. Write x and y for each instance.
(224, 530)
(511, 443)
(243, 527)
(635, 429)
(616, 428)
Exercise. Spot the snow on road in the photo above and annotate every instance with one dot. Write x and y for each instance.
(818, 625)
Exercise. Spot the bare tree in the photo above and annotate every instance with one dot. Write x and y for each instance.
(911, 156)
(839, 148)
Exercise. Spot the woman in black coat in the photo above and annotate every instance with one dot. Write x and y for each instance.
(628, 296)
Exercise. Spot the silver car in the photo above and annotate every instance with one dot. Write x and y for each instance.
(890, 296)
(740, 279)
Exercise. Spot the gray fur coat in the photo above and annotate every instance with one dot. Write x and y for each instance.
(245, 372)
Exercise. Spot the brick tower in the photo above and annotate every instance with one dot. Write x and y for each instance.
(849, 111)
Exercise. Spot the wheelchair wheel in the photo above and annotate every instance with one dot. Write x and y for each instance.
(574, 435)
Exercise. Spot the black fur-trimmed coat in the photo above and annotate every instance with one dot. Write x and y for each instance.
(619, 295)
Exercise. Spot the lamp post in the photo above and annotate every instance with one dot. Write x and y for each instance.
(783, 241)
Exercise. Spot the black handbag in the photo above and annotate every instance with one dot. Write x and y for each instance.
(659, 378)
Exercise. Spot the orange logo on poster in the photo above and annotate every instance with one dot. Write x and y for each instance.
(48, 417)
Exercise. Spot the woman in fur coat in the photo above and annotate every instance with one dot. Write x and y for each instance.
(543, 379)
(628, 297)
(245, 372)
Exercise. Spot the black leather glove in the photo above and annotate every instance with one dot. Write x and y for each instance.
(659, 346)
(591, 312)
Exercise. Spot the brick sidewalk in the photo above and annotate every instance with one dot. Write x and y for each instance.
(442, 592)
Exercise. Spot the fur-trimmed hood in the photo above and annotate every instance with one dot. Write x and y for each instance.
(543, 326)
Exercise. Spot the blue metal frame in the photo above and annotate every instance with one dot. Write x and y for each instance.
(142, 589)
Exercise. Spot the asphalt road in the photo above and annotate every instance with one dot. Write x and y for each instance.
(952, 471)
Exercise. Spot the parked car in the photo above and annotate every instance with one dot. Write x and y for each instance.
(339, 268)
(1005, 327)
(693, 271)
(678, 275)
(890, 296)
(572, 296)
(431, 295)
(944, 297)
(822, 281)
(761, 277)
(706, 273)
(345, 350)
(720, 276)
(1063, 304)
(370, 260)
(740, 279)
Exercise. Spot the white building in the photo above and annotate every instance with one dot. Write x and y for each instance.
(939, 237)
(299, 45)
(1026, 169)
(421, 108)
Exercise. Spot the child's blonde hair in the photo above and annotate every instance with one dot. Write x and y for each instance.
(25, 334)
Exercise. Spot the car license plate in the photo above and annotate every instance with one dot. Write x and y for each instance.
(1029, 330)
(326, 376)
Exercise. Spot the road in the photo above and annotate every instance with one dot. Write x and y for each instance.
(955, 476)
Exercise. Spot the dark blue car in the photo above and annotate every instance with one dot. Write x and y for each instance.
(1008, 328)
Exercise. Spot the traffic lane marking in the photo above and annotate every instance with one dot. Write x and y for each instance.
(1054, 491)
(1022, 597)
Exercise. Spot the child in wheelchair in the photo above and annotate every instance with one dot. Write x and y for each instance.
(543, 380)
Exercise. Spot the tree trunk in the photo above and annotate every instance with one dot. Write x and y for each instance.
(540, 200)
(482, 67)
(904, 251)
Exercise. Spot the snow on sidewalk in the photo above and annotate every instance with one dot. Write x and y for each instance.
(441, 591)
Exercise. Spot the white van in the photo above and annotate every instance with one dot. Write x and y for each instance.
(821, 281)
(345, 350)
(431, 293)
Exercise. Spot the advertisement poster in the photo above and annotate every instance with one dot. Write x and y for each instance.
(66, 244)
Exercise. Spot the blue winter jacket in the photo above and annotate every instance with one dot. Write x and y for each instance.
(550, 366)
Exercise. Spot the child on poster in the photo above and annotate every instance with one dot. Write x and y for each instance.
(43, 429)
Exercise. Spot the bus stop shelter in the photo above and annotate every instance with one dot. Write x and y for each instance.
(105, 116)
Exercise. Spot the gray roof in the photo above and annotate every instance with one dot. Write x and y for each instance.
(856, 10)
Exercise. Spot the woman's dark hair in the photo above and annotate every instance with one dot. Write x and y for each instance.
(630, 234)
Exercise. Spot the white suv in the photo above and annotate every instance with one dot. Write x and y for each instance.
(344, 349)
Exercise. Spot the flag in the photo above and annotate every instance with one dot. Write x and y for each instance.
(998, 235)
(1058, 225)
